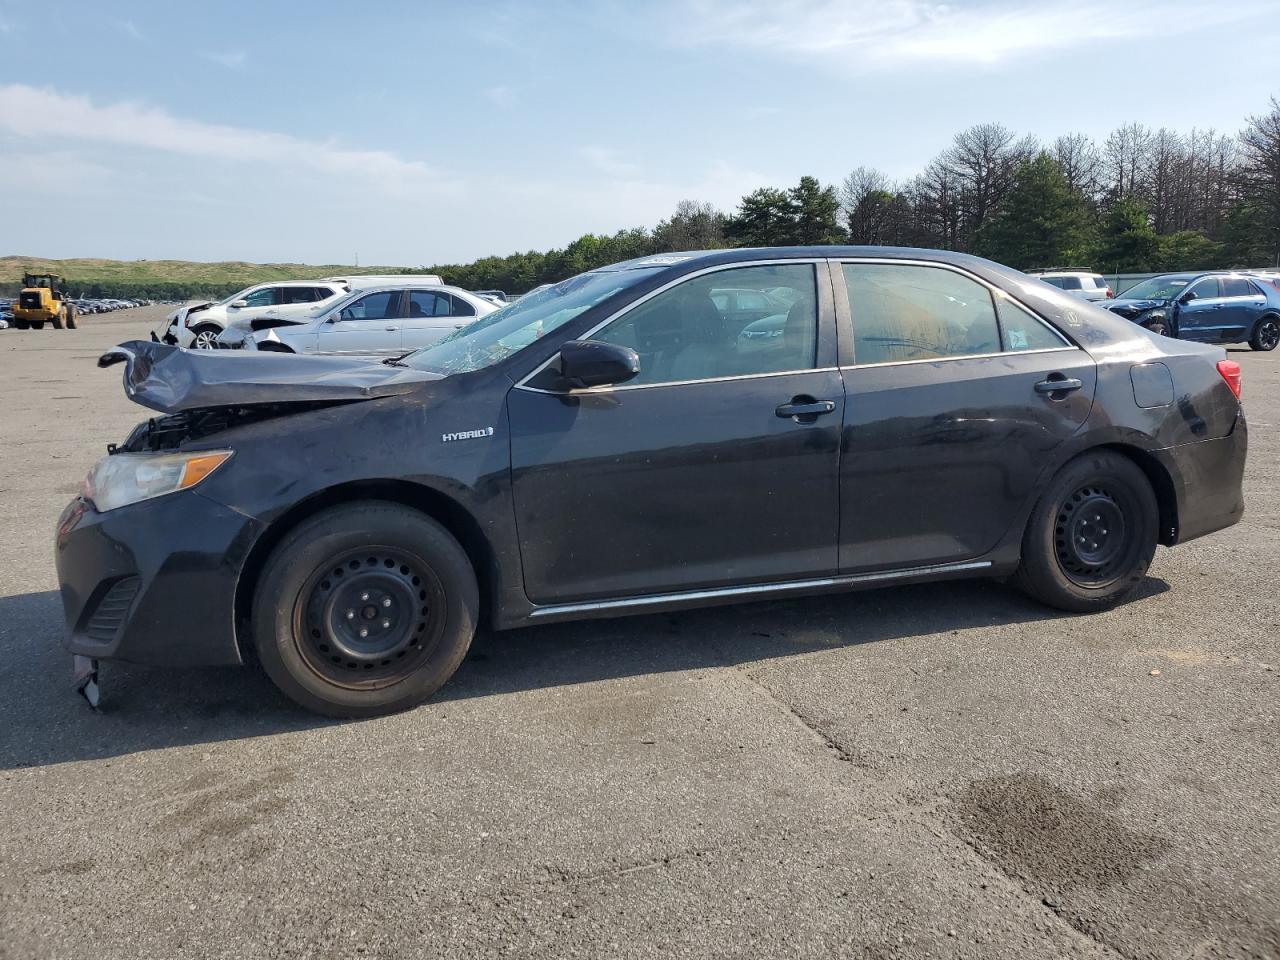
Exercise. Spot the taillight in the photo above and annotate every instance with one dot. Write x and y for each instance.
(1230, 371)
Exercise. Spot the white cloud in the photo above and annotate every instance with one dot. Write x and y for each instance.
(28, 112)
(231, 59)
(501, 96)
(868, 34)
(609, 161)
(131, 28)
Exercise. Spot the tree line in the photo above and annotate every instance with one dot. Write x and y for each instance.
(1141, 200)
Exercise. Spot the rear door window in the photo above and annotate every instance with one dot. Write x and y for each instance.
(1237, 287)
(428, 303)
(1072, 283)
(915, 312)
(298, 294)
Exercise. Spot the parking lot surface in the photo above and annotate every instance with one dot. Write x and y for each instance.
(929, 771)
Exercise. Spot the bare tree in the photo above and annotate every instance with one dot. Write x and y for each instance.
(867, 206)
(1081, 163)
(984, 159)
(1260, 174)
(1125, 159)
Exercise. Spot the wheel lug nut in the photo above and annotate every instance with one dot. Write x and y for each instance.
(386, 601)
(351, 614)
(365, 595)
(386, 624)
(364, 632)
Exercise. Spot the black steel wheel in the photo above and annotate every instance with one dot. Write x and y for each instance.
(205, 337)
(364, 609)
(369, 616)
(1266, 335)
(1091, 535)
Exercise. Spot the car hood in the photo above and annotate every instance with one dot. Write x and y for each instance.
(169, 379)
(1131, 308)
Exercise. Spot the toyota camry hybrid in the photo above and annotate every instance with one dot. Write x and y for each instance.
(618, 443)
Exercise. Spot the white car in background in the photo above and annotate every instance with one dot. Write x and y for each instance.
(1084, 284)
(206, 325)
(381, 320)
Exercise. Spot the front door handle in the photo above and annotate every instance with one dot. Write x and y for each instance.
(805, 409)
(1059, 384)
(392, 329)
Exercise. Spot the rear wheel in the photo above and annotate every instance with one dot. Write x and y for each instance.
(205, 337)
(21, 324)
(57, 322)
(1266, 335)
(37, 324)
(364, 609)
(71, 318)
(1091, 536)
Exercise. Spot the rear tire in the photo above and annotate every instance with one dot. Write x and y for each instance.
(37, 324)
(1266, 335)
(71, 318)
(376, 567)
(1091, 535)
(21, 324)
(57, 323)
(205, 336)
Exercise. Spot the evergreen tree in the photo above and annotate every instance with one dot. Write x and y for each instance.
(817, 213)
(1042, 222)
(765, 218)
(1129, 244)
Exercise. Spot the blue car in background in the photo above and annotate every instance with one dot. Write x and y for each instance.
(1208, 307)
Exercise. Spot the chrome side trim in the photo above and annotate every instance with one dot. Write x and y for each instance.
(618, 388)
(757, 589)
(962, 356)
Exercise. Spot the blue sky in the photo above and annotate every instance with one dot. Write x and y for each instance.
(414, 133)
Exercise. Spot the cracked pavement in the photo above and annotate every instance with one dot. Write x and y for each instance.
(942, 770)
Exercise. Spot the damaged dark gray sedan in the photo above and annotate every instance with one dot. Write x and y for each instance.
(616, 444)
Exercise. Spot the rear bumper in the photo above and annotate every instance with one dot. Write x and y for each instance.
(153, 582)
(1209, 481)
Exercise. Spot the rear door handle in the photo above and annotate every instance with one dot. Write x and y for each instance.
(1059, 385)
(805, 409)
(392, 329)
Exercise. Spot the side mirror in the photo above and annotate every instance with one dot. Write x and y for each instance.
(592, 363)
(240, 303)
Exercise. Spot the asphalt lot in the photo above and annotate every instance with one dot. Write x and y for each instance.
(929, 771)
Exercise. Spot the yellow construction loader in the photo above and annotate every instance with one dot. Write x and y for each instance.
(43, 300)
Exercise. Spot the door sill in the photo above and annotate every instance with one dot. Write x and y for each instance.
(666, 601)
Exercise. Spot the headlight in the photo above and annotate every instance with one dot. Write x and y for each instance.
(125, 478)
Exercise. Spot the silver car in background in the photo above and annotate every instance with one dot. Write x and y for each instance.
(380, 320)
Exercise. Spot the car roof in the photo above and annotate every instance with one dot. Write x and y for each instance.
(1064, 273)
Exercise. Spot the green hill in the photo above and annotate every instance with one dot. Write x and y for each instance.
(159, 279)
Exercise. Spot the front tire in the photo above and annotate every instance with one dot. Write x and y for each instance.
(1091, 535)
(37, 324)
(365, 609)
(1266, 335)
(1158, 326)
(71, 318)
(205, 337)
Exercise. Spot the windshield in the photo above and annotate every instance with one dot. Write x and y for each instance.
(1157, 288)
(500, 334)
